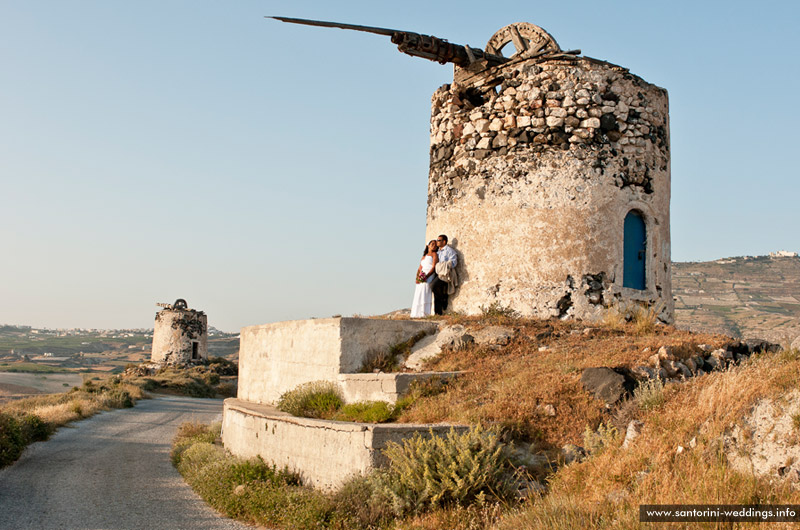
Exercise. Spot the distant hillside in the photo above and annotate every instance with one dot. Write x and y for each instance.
(90, 350)
(744, 297)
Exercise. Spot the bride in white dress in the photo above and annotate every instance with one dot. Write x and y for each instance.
(421, 306)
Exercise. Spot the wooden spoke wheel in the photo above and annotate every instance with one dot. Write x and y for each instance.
(527, 39)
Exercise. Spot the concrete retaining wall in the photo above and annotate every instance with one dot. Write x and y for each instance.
(382, 386)
(275, 358)
(326, 453)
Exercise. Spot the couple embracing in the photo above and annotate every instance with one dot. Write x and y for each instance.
(436, 278)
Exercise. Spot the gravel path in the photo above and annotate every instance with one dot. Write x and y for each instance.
(111, 471)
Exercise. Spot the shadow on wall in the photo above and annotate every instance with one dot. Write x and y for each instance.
(461, 270)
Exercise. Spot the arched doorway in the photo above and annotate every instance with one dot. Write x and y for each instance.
(635, 254)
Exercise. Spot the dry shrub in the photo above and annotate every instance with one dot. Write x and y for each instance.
(199, 431)
(316, 399)
(388, 360)
(456, 470)
(556, 512)
(613, 318)
(649, 395)
(595, 442)
(645, 320)
(62, 413)
(202, 381)
(356, 504)
(497, 314)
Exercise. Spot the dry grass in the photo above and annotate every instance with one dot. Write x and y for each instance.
(60, 409)
(55, 410)
(605, 491)
(511, 386)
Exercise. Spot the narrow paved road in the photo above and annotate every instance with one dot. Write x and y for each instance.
(111, 471)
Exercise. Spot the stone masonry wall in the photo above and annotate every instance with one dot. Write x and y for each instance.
(532, 173)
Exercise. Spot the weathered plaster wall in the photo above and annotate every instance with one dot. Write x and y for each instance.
(275, 358)
(325, 452)
(382, 386)
(175, 331)
(533, 170)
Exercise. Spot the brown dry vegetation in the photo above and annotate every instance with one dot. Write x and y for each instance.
(605, 491)
(510, 386)
(59, 409)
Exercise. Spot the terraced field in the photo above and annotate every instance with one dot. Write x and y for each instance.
(748, 297)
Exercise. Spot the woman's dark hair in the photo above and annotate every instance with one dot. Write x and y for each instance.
(425, 252)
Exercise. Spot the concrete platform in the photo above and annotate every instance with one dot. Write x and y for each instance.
(383, 386)
(324, 452)
(275, 358)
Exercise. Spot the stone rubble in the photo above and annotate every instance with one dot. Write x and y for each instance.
(665, 365)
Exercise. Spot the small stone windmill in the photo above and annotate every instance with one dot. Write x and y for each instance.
(180, 335)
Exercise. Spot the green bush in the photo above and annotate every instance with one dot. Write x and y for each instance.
(434, 471)
(193, 388)
(366, 412)
(12, 441)
(227, 389)
(222, 366)
(34, 428)
(117, 398)
(357, 504)
(317, 399)
(190, 434)
(148, 385)
(250, 490)
(17, 431)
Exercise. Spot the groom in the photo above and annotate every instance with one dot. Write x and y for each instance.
(438, 286)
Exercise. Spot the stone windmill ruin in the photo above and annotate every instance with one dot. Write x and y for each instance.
(180, 335)
(551, 170)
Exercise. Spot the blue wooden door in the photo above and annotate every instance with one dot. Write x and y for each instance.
(635, 251)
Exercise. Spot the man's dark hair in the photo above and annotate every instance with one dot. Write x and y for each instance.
(443, 237)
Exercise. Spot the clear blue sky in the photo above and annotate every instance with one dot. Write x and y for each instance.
(151, 150)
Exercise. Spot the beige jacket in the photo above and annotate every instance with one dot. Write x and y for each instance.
(446, 273)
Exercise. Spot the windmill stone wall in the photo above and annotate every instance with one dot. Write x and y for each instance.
(534, 166)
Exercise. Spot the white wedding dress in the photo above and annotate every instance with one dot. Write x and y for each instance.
(421, 306)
